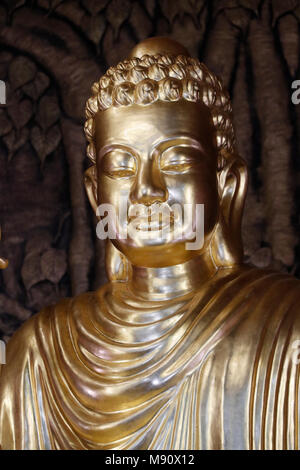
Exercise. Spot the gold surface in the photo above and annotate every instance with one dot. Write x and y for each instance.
(181, 349)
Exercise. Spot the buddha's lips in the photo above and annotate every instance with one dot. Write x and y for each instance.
(152, 223)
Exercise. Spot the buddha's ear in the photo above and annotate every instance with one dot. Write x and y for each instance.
(90, 182)
(226, 243)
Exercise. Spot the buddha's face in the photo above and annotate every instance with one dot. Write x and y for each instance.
(161, 153)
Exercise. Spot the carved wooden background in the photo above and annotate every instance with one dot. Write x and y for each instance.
(53, 50)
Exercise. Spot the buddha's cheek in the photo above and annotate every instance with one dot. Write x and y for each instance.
(197, 189)
(208, 194)
(113, 192)
(211, 213)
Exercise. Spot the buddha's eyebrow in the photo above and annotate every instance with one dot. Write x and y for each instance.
(109, 148)
(177, 141)
(158, 147)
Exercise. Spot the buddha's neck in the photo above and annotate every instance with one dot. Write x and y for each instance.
(171, 281)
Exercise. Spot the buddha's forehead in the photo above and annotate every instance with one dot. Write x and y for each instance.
(140, 126)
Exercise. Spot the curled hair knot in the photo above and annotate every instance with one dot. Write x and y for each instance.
(146, 92)
(170, 89)
(123, 94)
(157, 72)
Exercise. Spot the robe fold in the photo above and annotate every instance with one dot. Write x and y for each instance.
(213, 369)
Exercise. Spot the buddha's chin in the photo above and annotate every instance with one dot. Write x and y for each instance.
(158, 254)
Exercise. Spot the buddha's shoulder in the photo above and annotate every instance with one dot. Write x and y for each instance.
(249, 276)
(27, 336)
(268, 299)
(268, 284)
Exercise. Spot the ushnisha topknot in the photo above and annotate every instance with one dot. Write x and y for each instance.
(165, 77)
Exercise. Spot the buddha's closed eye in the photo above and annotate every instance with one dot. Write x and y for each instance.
(179, 159)
(176, 166)
(118, 164)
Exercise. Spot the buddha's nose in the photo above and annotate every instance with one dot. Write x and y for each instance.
(148, 188)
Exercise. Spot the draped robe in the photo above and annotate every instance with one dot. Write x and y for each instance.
(213, 369)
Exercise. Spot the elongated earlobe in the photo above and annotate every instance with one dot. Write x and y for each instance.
(90, 182)
(226, 244)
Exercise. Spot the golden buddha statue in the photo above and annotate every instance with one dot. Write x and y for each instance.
(182, 348)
